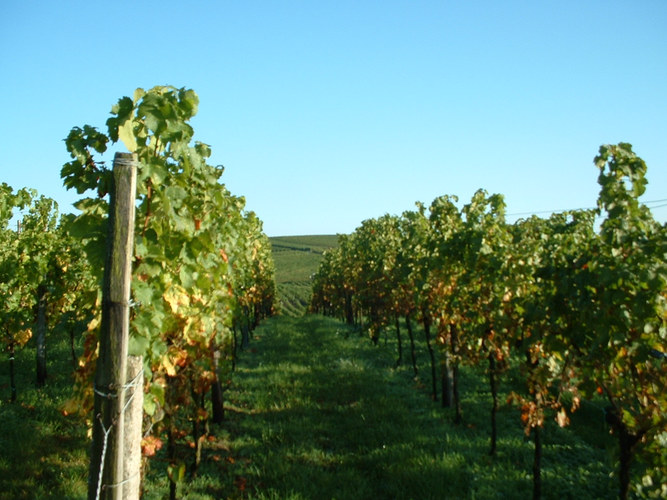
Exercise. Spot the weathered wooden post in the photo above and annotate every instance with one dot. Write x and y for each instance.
(134, 416)
(106, 473)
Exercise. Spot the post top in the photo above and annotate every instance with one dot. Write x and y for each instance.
(121, 158)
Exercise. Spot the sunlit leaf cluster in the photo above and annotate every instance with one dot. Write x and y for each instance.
(202, 264)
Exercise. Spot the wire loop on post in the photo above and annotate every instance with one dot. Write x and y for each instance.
(107, 395)
(133, 384)
(104, 452)
(124, 481)
(124, 160)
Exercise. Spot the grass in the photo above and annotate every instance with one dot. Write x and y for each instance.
(297, 258)
(315, 411)
(323, 414)
(42, 453)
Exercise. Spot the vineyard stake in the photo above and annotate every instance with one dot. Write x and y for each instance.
(106, 465)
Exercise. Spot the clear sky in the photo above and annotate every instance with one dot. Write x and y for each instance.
(326, 113)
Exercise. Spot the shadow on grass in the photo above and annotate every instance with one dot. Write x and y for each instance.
(332, 418)
(43, 454)
(321, 426)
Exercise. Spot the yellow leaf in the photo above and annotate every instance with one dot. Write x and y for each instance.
(23, 336)
(562, 418)
(126, 134)
(168, 366)
(176, 297)
(94, 323)
(138, 94)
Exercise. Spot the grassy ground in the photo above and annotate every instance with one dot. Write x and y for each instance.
(42, 453)
(297, 258)
(315, 412)
(320, 413)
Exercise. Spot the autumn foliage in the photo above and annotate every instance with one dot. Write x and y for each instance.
(581, 312)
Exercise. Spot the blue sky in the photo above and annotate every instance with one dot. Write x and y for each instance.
(328, 113)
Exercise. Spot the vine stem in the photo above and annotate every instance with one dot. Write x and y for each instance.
(149, 193)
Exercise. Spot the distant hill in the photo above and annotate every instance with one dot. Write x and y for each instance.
(297, 258)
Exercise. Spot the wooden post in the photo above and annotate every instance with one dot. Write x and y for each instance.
(106, 461)
(134, 414)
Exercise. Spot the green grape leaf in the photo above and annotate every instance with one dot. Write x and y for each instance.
(126, 134)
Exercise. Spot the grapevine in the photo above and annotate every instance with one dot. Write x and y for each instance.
(581, 313)
(201, 267)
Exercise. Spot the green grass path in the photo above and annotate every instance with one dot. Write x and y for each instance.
(329, 420)
(320, 413)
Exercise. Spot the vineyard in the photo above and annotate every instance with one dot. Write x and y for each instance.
(297, 259)
(202, 278)
(581, 314)
(476, 328)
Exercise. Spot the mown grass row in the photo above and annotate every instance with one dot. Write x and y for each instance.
(324, 414)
